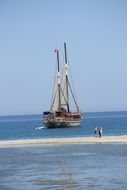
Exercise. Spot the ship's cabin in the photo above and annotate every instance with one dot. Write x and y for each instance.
(48, 114)
(72, 115)
(62, 113)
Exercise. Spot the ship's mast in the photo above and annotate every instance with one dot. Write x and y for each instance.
(58, 77)
(66, 70)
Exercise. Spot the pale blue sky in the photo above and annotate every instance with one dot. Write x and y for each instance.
(96, 36)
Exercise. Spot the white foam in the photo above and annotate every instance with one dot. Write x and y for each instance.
(38, 128)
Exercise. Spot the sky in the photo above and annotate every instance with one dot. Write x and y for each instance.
(96, 35)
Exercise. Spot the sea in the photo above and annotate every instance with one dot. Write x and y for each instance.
(31, 126)
(94, 166)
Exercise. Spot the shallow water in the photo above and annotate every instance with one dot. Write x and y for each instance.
(58, 167)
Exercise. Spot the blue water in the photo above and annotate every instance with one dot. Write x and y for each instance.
(27, 127)
(71, 166)
(64, 167)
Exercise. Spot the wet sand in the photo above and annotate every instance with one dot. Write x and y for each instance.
(72, 140)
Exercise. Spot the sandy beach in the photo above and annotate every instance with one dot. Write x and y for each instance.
(72, 140)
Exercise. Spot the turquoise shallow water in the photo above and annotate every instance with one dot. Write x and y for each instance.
(58, 167)
(27, 127)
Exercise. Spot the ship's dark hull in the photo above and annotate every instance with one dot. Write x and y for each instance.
(51, 124)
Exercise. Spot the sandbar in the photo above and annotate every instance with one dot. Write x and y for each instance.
(67, 140)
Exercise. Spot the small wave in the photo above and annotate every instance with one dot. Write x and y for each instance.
(38, 128)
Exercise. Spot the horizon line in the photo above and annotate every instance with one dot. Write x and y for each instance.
(33, 114)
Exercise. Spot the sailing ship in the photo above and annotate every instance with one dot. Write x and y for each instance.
(60, 113)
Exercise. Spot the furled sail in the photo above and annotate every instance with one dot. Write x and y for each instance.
(56, 103)
(64, 87)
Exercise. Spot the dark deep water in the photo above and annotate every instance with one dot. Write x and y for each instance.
(58, 167)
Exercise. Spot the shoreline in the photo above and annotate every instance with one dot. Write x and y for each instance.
(66, 140)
